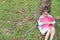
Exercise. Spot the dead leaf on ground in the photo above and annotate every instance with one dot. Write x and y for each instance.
(58, 17)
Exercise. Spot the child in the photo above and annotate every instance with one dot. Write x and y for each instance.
(46, 24)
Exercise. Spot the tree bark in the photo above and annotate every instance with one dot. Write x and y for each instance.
(41, 5)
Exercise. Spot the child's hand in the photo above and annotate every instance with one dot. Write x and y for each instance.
(46, 22)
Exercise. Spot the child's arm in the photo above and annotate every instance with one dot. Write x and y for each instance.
(53, 21)
(41, 23)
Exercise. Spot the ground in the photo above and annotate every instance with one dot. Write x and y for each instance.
(13, 11)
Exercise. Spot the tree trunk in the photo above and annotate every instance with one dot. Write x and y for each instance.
(41, 5)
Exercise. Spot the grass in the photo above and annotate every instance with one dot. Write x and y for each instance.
(10, 18)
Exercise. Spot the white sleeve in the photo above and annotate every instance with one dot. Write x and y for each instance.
(53, 21)
(40, 23)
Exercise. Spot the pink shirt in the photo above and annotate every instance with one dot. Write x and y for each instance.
(45, 19)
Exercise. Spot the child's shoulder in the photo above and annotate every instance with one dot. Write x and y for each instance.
(50, 15)
(41, 16)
